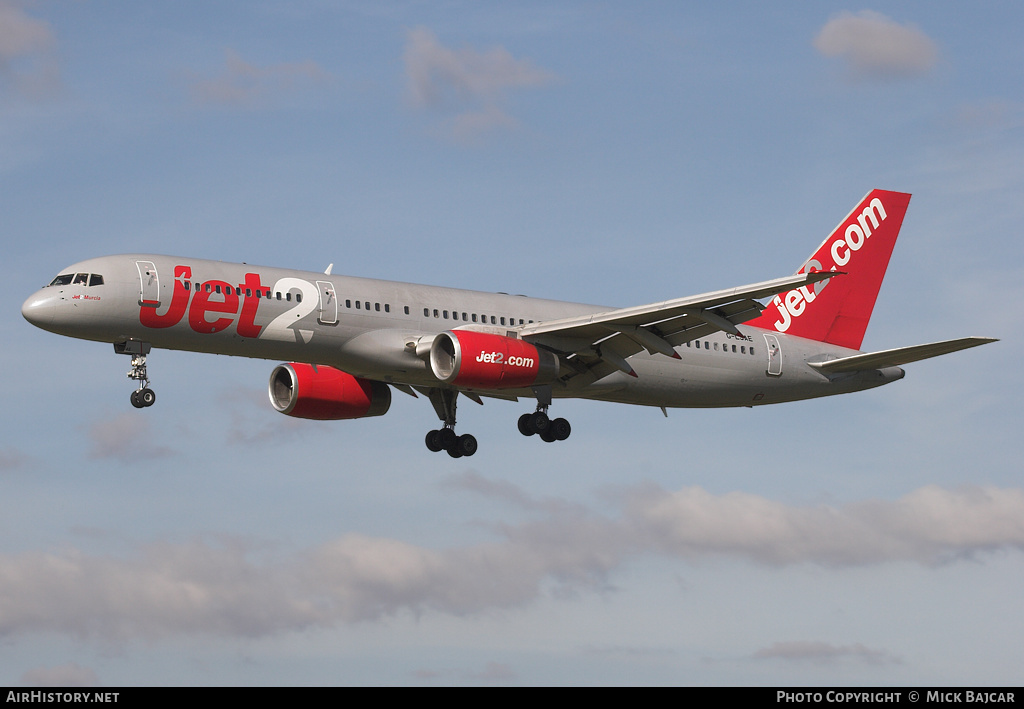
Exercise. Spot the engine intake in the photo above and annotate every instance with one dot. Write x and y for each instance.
(486, 361)
(326, 393)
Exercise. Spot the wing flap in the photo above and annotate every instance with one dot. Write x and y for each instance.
(898, 356)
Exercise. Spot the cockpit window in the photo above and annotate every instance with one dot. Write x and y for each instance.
(78, 279)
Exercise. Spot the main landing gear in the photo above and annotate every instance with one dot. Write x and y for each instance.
(445, 438)
(549, 430)
(143, 396)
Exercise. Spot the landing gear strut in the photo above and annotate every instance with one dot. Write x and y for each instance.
(549, 430)
(143, 396)
(445, 438)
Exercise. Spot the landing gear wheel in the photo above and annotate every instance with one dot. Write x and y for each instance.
(432, 443)
(454, 452)
(524, 425)
(137, 400)
(147, 396)
(446, 438)
(548, 436)
(466, 444)
(560, 429)
(539, 422)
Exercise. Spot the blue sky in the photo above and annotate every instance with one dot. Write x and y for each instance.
(592, 152)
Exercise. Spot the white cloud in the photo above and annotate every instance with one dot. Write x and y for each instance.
(929, 526)
(435, 71)
(27, 62)
(222, 589)
(69, 675)
(126, 438)
(11, 459)
(474, 83)
(877, 47)
(825, 653)
(241, 83)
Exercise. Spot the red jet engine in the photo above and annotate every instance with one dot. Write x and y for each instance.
(485, 361)
(326, 393)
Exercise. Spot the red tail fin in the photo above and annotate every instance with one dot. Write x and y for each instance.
(837, 310)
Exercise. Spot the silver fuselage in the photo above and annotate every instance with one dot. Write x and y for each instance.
(369, 328)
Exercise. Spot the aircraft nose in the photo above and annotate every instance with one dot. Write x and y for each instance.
(39, 309)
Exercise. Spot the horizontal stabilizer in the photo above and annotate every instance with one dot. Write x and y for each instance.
(898, 356)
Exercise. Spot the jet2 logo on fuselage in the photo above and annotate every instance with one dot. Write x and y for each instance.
(222, 299)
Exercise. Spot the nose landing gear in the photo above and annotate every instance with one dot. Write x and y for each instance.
(143, 396)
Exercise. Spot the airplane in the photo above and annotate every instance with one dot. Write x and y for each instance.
(351, 340)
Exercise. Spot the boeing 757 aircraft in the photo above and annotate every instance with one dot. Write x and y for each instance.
(351, 340)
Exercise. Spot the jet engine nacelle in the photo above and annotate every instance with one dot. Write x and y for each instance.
(486, 361)
(326, 393)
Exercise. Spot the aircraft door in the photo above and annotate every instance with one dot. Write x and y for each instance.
(774, 355)
(328, 303)
(149, 293)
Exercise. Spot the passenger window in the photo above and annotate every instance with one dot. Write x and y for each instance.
(751, 350)
(494, 320)
(474, 317)
(407, 310)
(188, 286)
(376, 306)
(387, 308)
(298, 297)
(707, 345)
(436, 313)
(743, 349)
(288, 296)
(465, 318)
(348, 303)
(359, 306)
(502, 319)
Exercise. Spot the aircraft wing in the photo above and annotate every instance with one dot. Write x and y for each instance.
(898, 356)
(612, 336)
